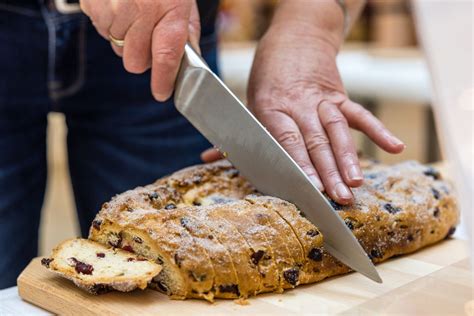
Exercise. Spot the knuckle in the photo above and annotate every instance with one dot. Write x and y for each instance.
(166, 53)
(290, 138)
(317, 142)
(335, 120)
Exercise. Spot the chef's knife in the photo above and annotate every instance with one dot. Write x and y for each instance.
(219, 115)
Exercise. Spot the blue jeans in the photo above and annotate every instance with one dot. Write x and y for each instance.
(118, 136)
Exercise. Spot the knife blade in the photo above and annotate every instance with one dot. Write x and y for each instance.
(218, 114)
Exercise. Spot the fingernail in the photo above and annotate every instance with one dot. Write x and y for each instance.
(316, 182)
(343, 192)
(395, 141)
(355, 173)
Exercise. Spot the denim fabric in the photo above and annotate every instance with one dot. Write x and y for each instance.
(118, 136)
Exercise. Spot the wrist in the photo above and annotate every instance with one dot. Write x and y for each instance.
(322, 19)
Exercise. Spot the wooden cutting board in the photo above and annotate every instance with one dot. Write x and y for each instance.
(434, 281)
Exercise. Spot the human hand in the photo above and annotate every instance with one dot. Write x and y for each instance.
(154, 34)
(296, 92)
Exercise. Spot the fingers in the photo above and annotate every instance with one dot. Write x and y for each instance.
(211, 154)
(319, 148)
(168, 41)
(137, 47)
(286, 132)
(362, 120)
(125, 16)
(337, 129)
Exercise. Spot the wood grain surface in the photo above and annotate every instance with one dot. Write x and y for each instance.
(432, 281)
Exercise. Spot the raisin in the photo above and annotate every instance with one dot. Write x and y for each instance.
(178, 260)
(184, 222)
(221, 199)
(375, 253)
(291, 276)
(436, 193)
(436, 212)
(100, 255)
(128, 248)
(312, 233)
(349, 223)
(99, 289)
(196, 203)
(451, 231)
(170, 206)
(96, 223)
(432, 231)
(138, 240)
(391, 209)
(410, 237)
(153, 195)
(46, 261)
(210, 237)
(161, 286)
(336, 206)
(229, 288)
(315, 254)
(432, 172)
(232, 173)
(257, 256)
(196, 179)
(130, 259)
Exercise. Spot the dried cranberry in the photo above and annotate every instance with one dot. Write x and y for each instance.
(96, 223)
(315, 254)
(128, 248)
(291, 276)
(312, 233)
(257, 256)
(100, 255)
(46, 261)
(391, 209)
(82, 267)
(229, 288)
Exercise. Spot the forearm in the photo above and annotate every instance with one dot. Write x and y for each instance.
(320, 18)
